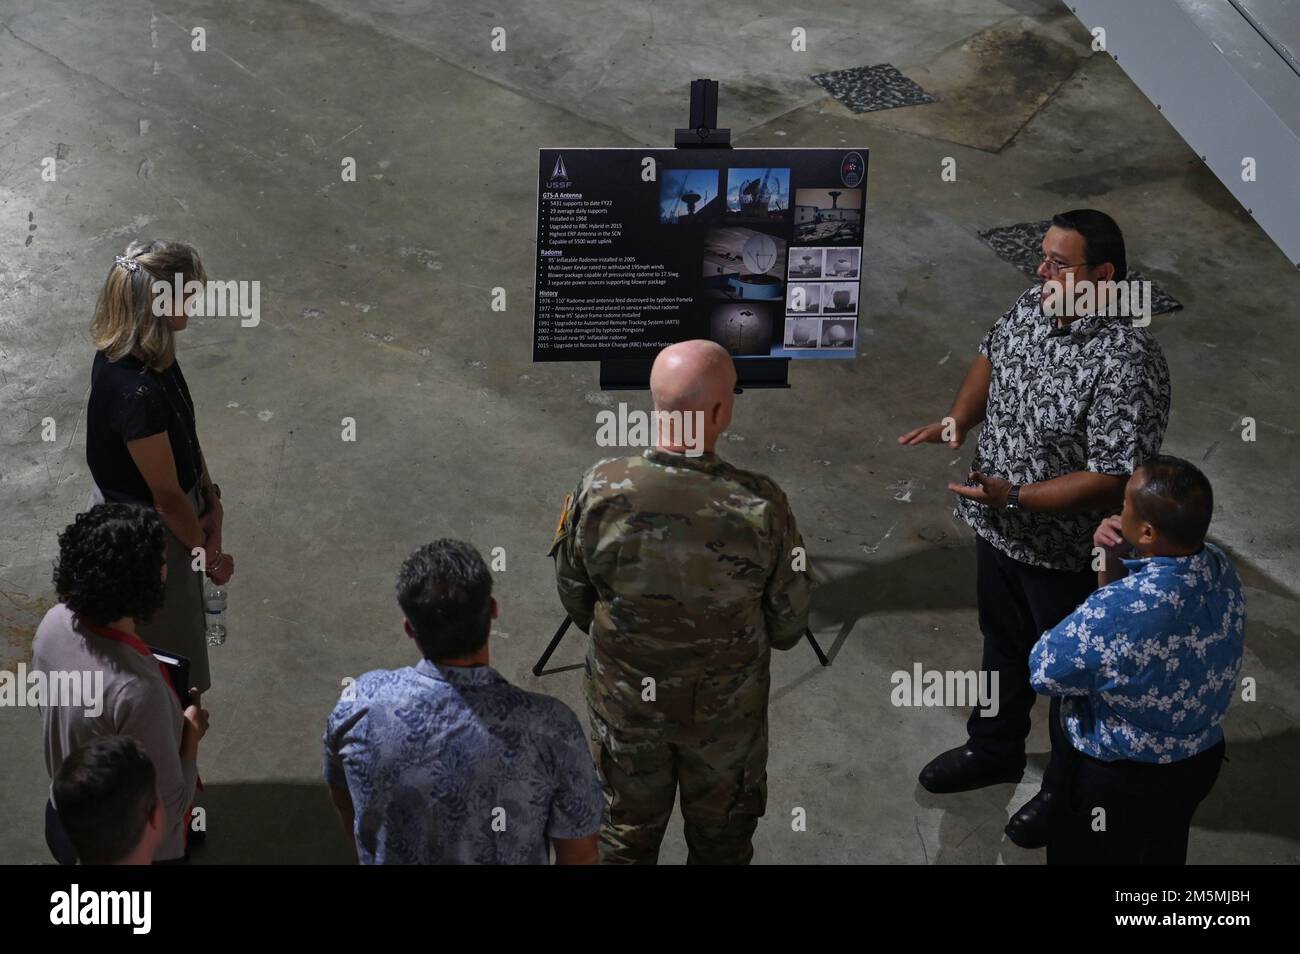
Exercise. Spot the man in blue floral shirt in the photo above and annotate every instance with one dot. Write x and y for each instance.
(1147, 666)
(445, 762)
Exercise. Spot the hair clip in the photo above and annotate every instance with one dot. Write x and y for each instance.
(130, 264)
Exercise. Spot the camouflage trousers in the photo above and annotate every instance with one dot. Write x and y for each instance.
(721, 769)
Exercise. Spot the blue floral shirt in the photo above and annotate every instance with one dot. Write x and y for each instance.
(454, 765)
(1149, 663)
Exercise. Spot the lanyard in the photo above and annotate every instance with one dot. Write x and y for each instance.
(129, 639)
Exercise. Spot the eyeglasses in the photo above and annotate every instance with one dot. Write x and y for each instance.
(1055, 268)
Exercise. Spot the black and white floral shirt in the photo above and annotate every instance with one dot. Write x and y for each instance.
(1092, 396)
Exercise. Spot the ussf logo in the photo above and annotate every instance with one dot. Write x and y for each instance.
(559, 175)
(852, 169)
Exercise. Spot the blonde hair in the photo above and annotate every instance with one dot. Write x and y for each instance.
(124, 321)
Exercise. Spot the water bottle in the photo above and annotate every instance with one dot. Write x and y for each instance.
(214, 605)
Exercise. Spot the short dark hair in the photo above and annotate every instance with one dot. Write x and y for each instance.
(1102, 240)
(110, 563)
(445, 590)
(1176, 499)
(105, 792)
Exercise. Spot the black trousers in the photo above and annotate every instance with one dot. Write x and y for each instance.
(1018, 602)
(1148, 809)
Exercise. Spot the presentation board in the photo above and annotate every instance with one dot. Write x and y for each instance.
(757, 249)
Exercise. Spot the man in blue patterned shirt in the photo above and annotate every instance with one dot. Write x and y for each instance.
(1147, 666)
(445, 762)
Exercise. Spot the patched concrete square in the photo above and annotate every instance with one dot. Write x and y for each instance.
(988, 86)
(867, 89)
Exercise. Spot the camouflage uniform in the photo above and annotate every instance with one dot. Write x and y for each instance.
(682, 571)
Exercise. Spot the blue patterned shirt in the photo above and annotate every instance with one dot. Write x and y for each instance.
(454, 765)
(1149, 663)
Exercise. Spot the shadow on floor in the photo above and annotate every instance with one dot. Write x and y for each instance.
(971, 828)
(941, 578)
(279, 823)
(938, 578)
(1258, 787)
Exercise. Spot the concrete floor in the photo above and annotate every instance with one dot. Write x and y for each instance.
(376, 306)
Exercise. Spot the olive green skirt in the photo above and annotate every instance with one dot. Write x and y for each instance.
(179, 626)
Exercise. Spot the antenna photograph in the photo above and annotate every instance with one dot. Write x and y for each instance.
(758, 195)
(689, 196)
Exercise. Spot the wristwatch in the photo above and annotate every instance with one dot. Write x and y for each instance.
(1013, 497)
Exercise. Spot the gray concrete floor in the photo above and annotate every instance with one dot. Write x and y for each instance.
(376, 306)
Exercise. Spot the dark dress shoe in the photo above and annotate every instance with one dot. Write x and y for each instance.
(1028, 827)
(963, 769)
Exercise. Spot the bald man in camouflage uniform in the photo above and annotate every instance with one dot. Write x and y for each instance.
(685, 571)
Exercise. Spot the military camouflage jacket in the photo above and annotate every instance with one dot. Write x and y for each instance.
(684, 570)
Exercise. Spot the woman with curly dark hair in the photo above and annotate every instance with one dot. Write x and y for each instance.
(142, 441)
(110, 574)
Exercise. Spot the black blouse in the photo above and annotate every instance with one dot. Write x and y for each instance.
(128, 401)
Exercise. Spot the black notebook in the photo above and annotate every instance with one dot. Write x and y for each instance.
(178, 667)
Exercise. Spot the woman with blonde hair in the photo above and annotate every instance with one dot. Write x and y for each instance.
(142, 442)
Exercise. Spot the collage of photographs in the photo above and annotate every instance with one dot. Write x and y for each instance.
(821, 302)
(775, 297)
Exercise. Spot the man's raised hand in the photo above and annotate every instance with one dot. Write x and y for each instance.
(944, 432)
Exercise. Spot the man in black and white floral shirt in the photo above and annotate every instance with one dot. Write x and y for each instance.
(1071, 407)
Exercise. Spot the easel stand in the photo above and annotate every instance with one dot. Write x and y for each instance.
(540, 665)
(634, 373)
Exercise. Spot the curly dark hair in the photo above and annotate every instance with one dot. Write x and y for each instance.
(110, 563)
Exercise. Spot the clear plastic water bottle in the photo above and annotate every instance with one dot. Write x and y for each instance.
(214, 605)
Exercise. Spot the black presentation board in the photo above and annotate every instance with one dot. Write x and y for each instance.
(757, 249)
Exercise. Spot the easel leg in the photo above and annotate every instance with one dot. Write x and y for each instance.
(564, 628)
(555, 642)
(821, 656)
